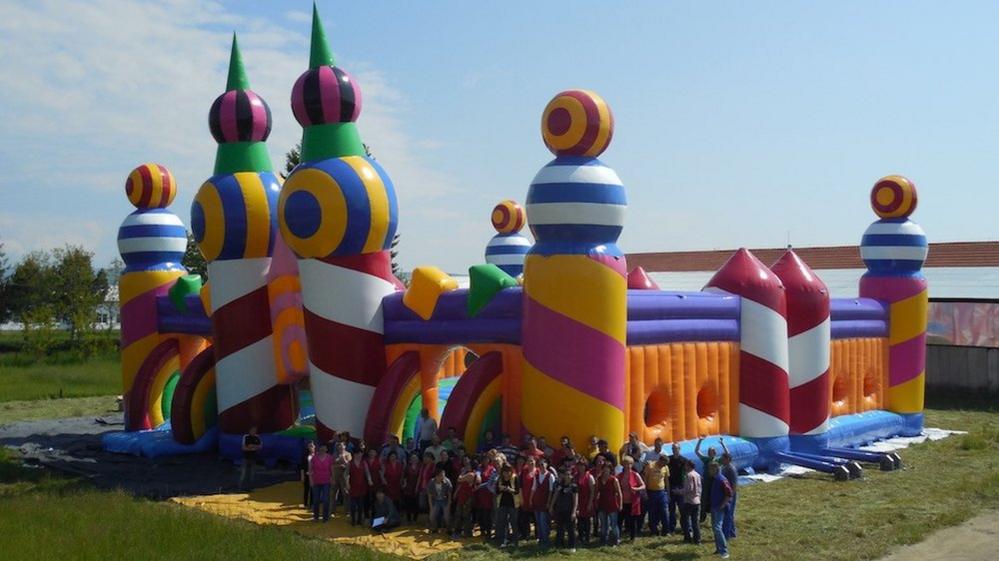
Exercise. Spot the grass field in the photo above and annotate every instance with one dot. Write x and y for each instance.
(11, 411)
(813, 517)
(42, 380)
(60, 373)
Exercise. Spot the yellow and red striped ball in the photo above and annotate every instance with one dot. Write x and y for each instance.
(150, 186)
(577, 123)
(508, 217)
(894, 196)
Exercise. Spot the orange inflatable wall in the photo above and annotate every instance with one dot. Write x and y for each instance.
(858, 371)
(680, 391)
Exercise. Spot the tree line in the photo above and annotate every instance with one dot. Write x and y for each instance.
(53, 291)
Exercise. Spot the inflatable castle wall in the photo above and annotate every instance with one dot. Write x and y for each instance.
(555, 337)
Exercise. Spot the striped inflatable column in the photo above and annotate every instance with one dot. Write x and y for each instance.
(764, 402)
(508, 247)
(894, 249)
(151, 241)
(575, 291)
(808, 345)
(338, 213)
(233, 218)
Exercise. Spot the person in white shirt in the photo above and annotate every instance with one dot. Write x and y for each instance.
(426, 429)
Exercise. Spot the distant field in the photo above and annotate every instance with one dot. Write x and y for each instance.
(61, 372)
(11, 411)
(98, 376)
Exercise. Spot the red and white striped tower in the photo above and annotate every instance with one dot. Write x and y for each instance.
(764, 410)
(808, 343)
(338, 212)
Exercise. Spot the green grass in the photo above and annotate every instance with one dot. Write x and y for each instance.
(812, 517)
(47, 517)
(43, 380)
(11, 411)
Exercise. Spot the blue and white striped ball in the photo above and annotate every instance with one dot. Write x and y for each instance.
(507, 251)
(894, 246)
(576, 203)
(152, 240)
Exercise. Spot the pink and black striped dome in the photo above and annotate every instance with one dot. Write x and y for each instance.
(239, 116)
(325, 95)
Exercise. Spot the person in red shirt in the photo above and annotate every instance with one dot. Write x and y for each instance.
(526, 513)
(374, 464)
(485, 495)
(566, 452)
(359, 482)
(411, 489)
(463, 519)
(585, 482)
(541, 491)
(427, 469)
(608, 505)
(320, 473)
(531, 450)
(392, 478)
(632, 486)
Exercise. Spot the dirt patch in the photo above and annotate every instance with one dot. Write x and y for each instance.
(73, 446)
(975, 540)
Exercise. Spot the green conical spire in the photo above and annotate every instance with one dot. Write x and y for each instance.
(237, 72)
(320, 54)
(329, 140)
(234, 157)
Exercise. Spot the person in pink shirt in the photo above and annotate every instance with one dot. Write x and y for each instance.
(320, 473)
(690, 514)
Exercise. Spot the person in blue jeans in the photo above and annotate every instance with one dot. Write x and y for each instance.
(730, 473)
(721, 495)
(608, 501)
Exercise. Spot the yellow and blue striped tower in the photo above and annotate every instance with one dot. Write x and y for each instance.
(575, 287)
(894, 249)
(151, 241)
(234, 219)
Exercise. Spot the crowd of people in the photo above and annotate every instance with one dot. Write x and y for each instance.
(512, 494)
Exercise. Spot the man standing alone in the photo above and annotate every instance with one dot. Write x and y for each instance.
(251, 445)
(426, 429)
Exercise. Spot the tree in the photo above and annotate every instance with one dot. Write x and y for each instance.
(114, 271)
(291, 159)
(30, 295)
(78, 290)
(4, 305)
(394, 253)
(193, 260)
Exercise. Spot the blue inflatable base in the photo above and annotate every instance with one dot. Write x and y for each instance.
(744, 452)
(912, 424)
(274, 448)
(157, 442)
(851, 431)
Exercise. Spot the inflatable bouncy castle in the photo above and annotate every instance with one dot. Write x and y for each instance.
(303, 330)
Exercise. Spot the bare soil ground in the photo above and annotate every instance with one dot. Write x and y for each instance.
(975, 540)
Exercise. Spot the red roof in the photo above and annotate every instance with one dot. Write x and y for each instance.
(945, 254)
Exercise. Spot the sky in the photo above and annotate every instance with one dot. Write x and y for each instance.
(737, 123)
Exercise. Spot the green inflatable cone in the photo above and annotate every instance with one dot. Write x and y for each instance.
(485, 282)
(234, 157)
(329, 140)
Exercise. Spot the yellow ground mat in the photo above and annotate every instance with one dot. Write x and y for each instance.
(281, 505)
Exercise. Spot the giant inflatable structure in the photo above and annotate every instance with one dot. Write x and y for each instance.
(555, 337)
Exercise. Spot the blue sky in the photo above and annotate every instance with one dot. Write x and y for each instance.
(737, 123)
